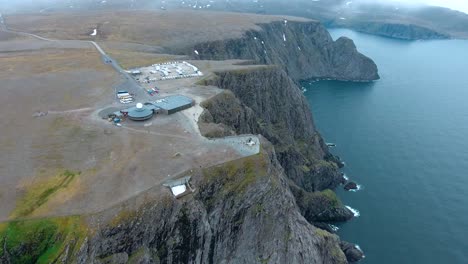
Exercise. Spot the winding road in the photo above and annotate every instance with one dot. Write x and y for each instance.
(129, 84)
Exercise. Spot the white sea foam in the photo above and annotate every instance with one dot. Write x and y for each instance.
(359, 187)
(334, 227)
(358, 248)
(345, 177)
(355, 212)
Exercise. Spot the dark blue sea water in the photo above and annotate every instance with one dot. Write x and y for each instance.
(404, 138)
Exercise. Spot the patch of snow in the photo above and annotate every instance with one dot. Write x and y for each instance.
(263, 42)
(196, 52)
(94, 32)
(284, 37)
(349, 3)
(342, 18)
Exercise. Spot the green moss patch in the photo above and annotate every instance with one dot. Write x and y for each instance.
(237, 175)
(40, 241)
(332, 198)
(232, 178)
(39, 193)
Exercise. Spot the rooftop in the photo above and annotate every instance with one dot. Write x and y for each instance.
(173, 102)
(140, 112)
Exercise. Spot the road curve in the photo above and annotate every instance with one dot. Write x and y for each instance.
(128, 83)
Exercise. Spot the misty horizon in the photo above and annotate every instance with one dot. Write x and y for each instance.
(24, 5)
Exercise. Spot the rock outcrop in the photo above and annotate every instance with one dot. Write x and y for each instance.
(350, 186)
(304, 50)
(352, 252)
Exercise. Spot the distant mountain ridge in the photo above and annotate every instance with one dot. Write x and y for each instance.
(395, 21)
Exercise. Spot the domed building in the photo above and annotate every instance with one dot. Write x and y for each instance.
(140, 112)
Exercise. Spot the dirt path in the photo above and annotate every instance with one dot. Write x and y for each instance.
(71, 111)
(154, 133)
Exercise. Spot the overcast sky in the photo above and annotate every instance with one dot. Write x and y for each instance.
(461, 5)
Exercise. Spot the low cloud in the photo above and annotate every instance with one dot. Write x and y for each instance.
(460, 5)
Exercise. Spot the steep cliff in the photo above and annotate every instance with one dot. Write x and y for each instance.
(305, 50)
(242, 212)
(266, 101)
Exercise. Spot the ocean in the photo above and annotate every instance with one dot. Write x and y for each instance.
(404, 141)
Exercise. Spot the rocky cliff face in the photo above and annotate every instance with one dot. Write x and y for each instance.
(266, 101)
(242, 213)
(305, 50)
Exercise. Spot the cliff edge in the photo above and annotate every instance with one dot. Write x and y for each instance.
(305, 50)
